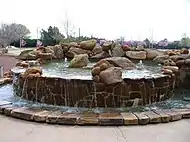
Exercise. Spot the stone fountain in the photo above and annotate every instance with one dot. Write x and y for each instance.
(118, 78)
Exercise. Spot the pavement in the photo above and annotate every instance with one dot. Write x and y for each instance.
(14, 130)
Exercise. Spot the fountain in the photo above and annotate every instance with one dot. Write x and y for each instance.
(108, 91)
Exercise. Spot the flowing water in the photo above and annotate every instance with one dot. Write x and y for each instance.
(59, 69)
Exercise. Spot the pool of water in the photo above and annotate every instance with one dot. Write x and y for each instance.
(7, 94)
(145, 69)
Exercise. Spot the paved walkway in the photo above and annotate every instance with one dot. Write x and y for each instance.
(14, 130)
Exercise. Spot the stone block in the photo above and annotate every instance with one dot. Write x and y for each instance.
(24, 113)
(129, 119)
(174, 115)
(68, 118)
(165, 118)
(154, 118)
(110, 119)
(41, 116)
(184, 112)
(142, 118)
(52, 117)
(88, 119)
(7, 109)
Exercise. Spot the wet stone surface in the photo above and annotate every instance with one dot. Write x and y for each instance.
(85, 93)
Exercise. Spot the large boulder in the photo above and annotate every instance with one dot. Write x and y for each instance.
(88, 45)
(122, 62)
(107, 45)
(27, 55)
(101, 55)
(76, 51)
(152, 53)
(58, 51)
(175, 58)
(117, 51)
(139, 55)
(79, 61)
(45, 53)
(97, 49)
(161, 58)
(74, 44)
(111, 75)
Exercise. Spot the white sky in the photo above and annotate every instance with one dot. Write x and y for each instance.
(103, 18)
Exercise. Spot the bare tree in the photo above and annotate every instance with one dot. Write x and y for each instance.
(12, 32)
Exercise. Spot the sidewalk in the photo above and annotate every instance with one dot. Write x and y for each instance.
(14, 130)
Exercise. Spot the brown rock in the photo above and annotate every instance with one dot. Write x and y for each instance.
(180, 63)
(140, 55)
(32, 70)
(104, 66)
(97, 49)
(122, 62)
(169, 62)
(107, 46)
(111, 75)
(58, 51)
(152, 53)
(117, 51)
(176, 58)
(76, 51)
(96, 78)
(74, 44)
(167, 71)
(184, 51)
(161, 58)
(174, 69)
(79, 61)
(88, 45)
(95, 71)
(5, 80)
(100, 55)
(187, 62)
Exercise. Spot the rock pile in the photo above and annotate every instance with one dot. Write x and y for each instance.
(108, 70)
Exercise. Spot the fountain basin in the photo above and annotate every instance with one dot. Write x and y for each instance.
(86, 93)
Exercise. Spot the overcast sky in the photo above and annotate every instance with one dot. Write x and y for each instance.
(103, 18)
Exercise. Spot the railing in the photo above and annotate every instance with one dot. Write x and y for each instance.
(1, 71)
